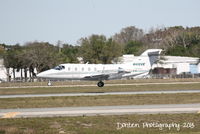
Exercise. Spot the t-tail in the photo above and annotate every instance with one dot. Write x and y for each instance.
(141, 65)
(152, 55)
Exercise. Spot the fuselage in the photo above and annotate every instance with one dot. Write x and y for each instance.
(139, 67)
(84, 71)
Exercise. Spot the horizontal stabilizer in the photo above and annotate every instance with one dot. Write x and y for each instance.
(150, 52)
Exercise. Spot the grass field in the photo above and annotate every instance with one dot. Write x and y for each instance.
(106, 100)
(102, 100)
(152, 87)
(57, 83)
(189, 124)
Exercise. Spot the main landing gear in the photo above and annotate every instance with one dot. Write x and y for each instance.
(100, 84)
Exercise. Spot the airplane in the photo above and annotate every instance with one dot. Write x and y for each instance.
(139, 67)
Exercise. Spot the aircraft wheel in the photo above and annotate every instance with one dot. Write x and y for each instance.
(100, 84)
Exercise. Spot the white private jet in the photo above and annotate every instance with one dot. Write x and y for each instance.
(140, 66)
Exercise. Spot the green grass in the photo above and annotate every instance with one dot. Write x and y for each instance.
(58, 83)
(106, 100)
(45, 90)
(99, 124)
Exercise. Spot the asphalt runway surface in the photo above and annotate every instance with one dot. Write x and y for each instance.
(99, 93)
(94, 85)
(100, 110)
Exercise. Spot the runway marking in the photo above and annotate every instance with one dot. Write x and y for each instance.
(10, 114)
(91, 85)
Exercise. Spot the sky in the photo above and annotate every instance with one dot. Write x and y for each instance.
(23, 21)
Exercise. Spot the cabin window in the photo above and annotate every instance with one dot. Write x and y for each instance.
(82, 68)
(60, 67)
(89, 69)
(69, 68)
(63, 67)
(75, 69)
(95, 69)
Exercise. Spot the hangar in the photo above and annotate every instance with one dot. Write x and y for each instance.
(171, 64)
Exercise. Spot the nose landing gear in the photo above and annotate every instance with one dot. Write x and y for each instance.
(100, 84)
(49, 83)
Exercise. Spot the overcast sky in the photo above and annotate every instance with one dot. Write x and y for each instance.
(69, 20)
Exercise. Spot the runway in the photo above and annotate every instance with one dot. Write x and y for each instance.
(94, 85)
(100, 110)
(99, 93)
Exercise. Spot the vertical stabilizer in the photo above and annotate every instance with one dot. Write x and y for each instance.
(153, 54)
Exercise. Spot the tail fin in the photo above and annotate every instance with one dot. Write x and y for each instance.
(153, 55)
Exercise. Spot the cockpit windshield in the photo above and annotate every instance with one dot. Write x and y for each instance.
(60, 67)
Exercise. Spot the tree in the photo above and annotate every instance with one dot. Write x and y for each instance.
(161, 38)
(41, 55)
(70, 53)
(2, 50)
(111, 51)
(12, 59)
(133, 47)
(186, 43)
(128, 34)
(97, 49)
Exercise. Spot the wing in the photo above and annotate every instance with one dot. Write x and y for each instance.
(106, 76)
(97, 77)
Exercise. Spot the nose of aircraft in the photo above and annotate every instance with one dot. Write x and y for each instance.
(45, 74)
(41, 75)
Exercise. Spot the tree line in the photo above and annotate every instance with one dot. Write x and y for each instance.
(176, 41)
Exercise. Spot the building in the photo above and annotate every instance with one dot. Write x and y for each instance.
(181, 64)
(11, 73)
(3, 72)
(171, 64)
